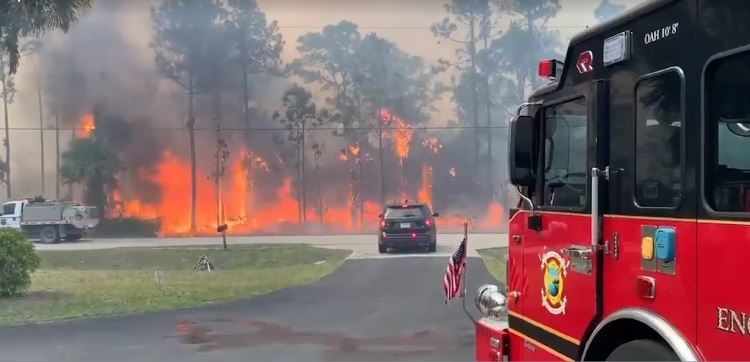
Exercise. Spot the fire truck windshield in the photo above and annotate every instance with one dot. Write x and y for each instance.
(565, 153)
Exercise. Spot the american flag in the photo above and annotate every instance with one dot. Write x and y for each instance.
(455, 272)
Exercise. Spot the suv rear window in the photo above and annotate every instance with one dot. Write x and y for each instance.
(9, 208)
(414, 212)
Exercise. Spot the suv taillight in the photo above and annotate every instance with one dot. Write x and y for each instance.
(428, 222)
(382, 224)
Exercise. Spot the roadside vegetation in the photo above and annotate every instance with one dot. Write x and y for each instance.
(78, 284)
(494, 260)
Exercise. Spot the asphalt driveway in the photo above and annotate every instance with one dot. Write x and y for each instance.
(388, 309)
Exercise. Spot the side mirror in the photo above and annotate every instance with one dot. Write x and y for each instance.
(521, 155)
(380, 216)
(435, 214)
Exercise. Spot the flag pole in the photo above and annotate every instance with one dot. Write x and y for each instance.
(466, 274)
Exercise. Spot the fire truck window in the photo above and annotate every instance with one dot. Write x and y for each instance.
(727, 169)
(658, 141)
(565, 154)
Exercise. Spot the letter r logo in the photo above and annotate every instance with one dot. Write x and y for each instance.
(585, 62)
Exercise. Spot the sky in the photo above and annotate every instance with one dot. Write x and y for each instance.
(405, 22)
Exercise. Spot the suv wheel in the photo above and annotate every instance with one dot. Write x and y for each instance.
(382, 249)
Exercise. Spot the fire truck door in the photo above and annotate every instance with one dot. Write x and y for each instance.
(561, 301)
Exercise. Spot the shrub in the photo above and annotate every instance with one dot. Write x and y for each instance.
(126, 227)
(17, 260)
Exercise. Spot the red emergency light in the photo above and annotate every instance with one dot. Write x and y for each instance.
(548, 68)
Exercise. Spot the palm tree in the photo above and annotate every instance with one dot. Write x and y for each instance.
(91, 162)
(33, 17)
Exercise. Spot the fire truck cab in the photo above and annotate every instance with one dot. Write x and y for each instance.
(633, 170)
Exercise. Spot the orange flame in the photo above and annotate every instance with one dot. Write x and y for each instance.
(402, 135)
(86, 126)
(354, 149)
(432, 144)
(425, 193)
(246, 213)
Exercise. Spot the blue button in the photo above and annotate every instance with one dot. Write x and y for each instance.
(665, 244)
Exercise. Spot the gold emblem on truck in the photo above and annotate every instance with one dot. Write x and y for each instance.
(554, 268)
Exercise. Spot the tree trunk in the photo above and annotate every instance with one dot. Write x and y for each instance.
(299, 184)
(490, 176)
(360, 183)
(217, 177)
(380, 156)
(304, 184)
(320, 193)
(57, 160)
(41, 124)
(474, 98)
(245, 94)
(191, 136)
(7, 138)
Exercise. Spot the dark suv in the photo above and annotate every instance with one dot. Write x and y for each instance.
(409, 225)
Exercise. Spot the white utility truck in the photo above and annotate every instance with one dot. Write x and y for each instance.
(49, 221)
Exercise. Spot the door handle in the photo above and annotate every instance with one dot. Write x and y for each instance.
(579, 252)
(581, 258)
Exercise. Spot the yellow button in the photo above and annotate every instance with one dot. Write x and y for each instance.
(647, 248)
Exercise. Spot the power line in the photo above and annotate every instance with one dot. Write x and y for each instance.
(213, 129)
(422, 27)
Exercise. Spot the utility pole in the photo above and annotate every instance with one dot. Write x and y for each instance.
(57, 160)
(41, 119)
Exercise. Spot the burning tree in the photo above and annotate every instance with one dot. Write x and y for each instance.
(94, 164)
(185, 33)
(300, 114)
(365, 75)
(256, 44)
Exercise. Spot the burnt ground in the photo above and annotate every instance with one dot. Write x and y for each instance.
(388, 309)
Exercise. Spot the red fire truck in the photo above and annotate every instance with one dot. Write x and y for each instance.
(633, 170)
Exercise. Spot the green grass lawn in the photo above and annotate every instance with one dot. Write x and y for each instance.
(494, 260)
(77, 284)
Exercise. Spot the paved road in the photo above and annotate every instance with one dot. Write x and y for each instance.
(386, 309)
(364, 246)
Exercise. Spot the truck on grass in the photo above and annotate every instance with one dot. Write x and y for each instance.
(49, 221)
(632, 166)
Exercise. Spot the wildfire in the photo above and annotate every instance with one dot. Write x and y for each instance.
(432, 144)
(354, 149)
(246, 212)
(425, 193)
(255, 162)
(86, 126)
(402, 135)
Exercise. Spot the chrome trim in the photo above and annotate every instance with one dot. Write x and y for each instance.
(526, 104)
(594, 207)
(672, 336)
(526, 199)
(494, 324)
